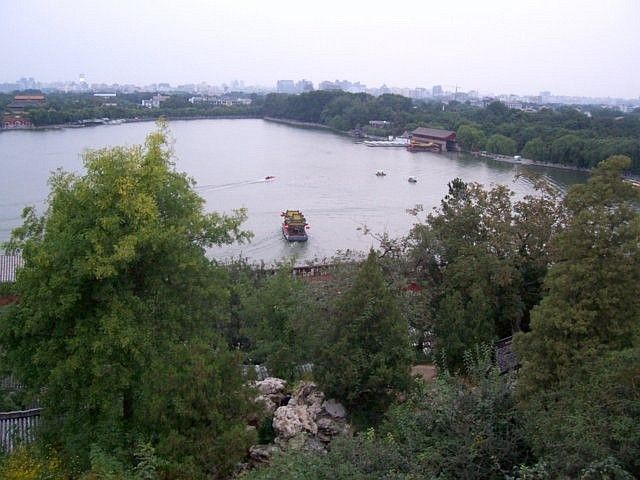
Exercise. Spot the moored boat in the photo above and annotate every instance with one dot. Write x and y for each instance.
(392, 142)
(412, 179)
(294, 226)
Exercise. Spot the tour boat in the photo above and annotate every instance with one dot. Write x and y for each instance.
(380, 173)
(392, 142)
(294, 226)
(269, 177)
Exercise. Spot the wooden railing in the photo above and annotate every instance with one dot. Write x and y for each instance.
(18, 427)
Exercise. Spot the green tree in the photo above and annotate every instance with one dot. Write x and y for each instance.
(365, 361)
(581, 422)
(471, 138)
(536, 149)
(501, 144)
(117, 307)
(268, 314)
(593, 300)
(568, 150)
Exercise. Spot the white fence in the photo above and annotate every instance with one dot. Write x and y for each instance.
(18, 427)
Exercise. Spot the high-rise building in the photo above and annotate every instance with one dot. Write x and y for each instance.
(304, 86)
(436, 91)
(285, 86)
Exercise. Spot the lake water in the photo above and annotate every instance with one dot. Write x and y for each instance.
(329, 177)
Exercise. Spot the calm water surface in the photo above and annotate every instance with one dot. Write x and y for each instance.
(327, 176)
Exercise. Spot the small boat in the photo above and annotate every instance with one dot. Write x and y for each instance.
(380, 173)
(270, 177)
(412, 179)
(294, 226)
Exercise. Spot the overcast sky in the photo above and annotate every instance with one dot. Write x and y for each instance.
(570, 47)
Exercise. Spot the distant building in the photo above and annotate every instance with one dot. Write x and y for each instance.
(304, 86)
(155, 101)
(220, 101)
(437, 91)
(379, 123)
(21, 102)
(285, 86)
(514, 105)
(344, 85)
(12, 121)
(16, 115)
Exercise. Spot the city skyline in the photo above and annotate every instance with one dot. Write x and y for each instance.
(500, 47)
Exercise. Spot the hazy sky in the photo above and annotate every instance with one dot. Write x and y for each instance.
(572, 47)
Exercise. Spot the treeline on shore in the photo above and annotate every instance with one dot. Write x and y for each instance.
(133, 341)
(562, 135)
(69, 108)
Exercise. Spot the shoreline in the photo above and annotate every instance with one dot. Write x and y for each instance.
(526, 162)
(121, 121)
(296, 123)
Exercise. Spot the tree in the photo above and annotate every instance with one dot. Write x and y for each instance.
(593, 300)
(365, 361)
(500, 144)
(568, 150)
(481, 258)
(268, 313)
(471, 138)
(536, 149)
(581, 422)
(117, 306)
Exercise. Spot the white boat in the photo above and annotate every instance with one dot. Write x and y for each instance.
(380, 173)
(412, 179)
(392, 142)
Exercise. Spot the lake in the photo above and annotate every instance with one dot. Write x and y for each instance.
(329, 177)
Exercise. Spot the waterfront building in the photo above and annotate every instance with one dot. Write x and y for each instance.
(431, 139)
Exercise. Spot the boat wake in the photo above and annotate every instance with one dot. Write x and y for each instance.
(225, 186)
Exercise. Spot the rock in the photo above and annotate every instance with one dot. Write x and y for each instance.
(334, 409)
(271, 386)
(304, 421)
(297, 442)
(309, 395)
(328, 428)
(261, 453)
(271, 393)
(315, 445)
(290, 420)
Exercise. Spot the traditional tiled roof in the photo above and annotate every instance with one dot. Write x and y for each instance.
(433, 133)
(8, 266)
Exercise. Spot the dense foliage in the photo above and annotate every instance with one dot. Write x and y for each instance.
(366, 360)
(563, 135)
(62, 108)
(132, 340)
(452, 428)
(482, 257)
(114, 327)
(580, 357)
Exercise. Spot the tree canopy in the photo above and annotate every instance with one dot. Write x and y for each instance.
(114, 327)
